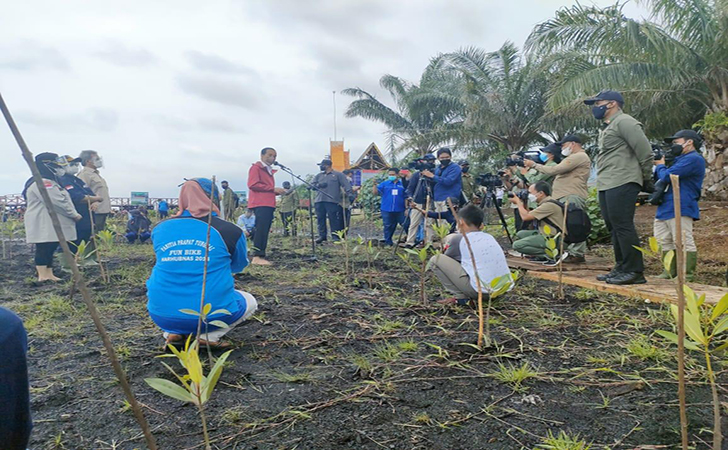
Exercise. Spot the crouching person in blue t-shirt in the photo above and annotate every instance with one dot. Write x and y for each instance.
(176, 280)
(393, 196)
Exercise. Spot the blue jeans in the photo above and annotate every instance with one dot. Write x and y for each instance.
(390, 220)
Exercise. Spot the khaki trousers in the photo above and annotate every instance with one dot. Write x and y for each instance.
(452, 276)
(665, 233)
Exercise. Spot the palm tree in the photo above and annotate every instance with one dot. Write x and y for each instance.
(673, 68)
(425, 115)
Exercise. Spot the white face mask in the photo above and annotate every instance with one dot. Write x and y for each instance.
(59, 171)
(566, 151)
(99, 162)
(532, 198)
(72, 169)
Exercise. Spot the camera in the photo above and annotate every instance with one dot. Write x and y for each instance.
(522, 194)
(489, 180)
(421, 164)
(517, 160)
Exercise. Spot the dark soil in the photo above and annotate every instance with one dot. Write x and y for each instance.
(328, 363)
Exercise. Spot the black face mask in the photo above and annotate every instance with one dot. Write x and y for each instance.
(599, 112)
(323, 168)
(676, 150)
(445, 162)
(465, 169)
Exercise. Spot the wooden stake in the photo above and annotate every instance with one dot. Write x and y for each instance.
(79, 280)
(680, 264)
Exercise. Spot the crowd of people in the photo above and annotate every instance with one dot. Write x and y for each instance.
(539, 187)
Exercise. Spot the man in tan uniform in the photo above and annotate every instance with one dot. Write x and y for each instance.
(92, 162)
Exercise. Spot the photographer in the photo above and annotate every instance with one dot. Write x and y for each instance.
(570, 182)
(392, 205)
(447, 179)
(550, 157)
(471, 190)
(624, 168)
(417, 194)
(533, 242)
(454, 268)
(329, 185)
(689, 165)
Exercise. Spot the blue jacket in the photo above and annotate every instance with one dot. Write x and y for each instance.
(16, 423)
(448, 182)
(78, 190)
(393, 195)
(419, 197)
(176, 280)
(690, 167)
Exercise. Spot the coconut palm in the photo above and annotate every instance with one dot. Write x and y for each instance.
(673, 68)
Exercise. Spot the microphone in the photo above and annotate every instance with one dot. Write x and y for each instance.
(279, 165)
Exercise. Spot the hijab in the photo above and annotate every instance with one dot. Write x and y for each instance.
(43, 161)
(195, 200)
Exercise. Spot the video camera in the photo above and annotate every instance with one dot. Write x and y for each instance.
(522, 194)
(421, 164)
(533, 155)
(489, 180)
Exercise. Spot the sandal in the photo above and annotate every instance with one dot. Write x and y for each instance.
(215, 345)
(454, 301)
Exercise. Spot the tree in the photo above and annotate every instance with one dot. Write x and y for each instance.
(673, 68)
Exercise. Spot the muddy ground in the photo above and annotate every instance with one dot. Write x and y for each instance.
(328, 363)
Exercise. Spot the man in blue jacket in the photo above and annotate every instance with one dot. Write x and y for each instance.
(392, 207)
(689, 165)
(447, 179)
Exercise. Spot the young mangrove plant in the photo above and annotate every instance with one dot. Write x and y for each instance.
(371, 253)
(418, 266)
(706, 326)
(345, 244)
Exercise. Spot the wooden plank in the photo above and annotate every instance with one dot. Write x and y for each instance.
(655, 290)
(592, 263)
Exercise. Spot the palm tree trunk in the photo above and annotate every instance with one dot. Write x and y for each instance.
(715, 186)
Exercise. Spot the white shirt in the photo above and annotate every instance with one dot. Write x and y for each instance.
(489, 258)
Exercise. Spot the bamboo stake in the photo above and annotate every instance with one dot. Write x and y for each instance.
(561, 252)
(204, 274)
(680, 264)
(79, 280)
(481, 321)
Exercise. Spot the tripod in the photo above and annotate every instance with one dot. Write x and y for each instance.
(428, 186)
(311, 188)
(491, 198)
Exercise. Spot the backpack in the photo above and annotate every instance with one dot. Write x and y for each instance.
(578, 225)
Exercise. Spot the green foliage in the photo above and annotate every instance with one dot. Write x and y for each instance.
(563, 441)
(370, 203)
(599, 231)
(515, 376)
(712, 123)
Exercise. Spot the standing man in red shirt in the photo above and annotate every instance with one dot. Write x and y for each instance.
(263, 201)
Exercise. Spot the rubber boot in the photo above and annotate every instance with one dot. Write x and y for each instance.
(691, 263)
(665, 275)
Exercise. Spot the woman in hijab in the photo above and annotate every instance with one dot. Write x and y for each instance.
(38, 226)
(176, 281)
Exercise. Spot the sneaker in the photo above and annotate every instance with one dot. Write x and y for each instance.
(319, 240)
(609, 275)
(628, 278)
(575, 259)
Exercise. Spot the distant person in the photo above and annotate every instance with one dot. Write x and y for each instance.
(82, 196)
(262, 201)
(163, 209)
(471, 191)
(624, 168)
(246, 221)
(138, 226)
(570, 183)
(92, 162)
(38, 226)
(230, 201)
(288, 206)
(550, 157)
(16, 423)
(329, 185)
(176, 279)
(689, 165)
(417, 190)
(392, 205)
(454, 268)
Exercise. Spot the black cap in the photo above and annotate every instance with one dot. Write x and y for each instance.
(569, 138)
(463, 162)
(429, 156)
(554, 149)
(325, 162)
(686, 134)
(605, 95)
(46, 157)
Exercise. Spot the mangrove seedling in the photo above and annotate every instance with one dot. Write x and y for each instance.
(371, 253)
(418, 266)
(344, 242)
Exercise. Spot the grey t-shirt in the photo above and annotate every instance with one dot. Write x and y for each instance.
(335, 182)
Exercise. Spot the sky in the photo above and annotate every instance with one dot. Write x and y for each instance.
(167, 90)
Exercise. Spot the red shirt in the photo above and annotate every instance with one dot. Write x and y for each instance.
(261, 185)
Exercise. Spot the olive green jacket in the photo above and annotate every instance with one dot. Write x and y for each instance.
(625, 154)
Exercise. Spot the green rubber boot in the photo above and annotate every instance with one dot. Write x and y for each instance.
(665, 275)
(691, 263)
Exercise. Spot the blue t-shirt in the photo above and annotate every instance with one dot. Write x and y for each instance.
(176, 280)
(690, 167)
(163, 206)
(393, 195)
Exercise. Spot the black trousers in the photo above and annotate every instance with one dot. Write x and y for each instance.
(288, 219)
(263, 220)
(100, 221)
(617, 206)
(44, 253)
(335, 213)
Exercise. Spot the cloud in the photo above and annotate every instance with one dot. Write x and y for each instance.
(124, 56)
(204, 124)
(211, 62)
(96, 119)
(222, 91)
(28, 55)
